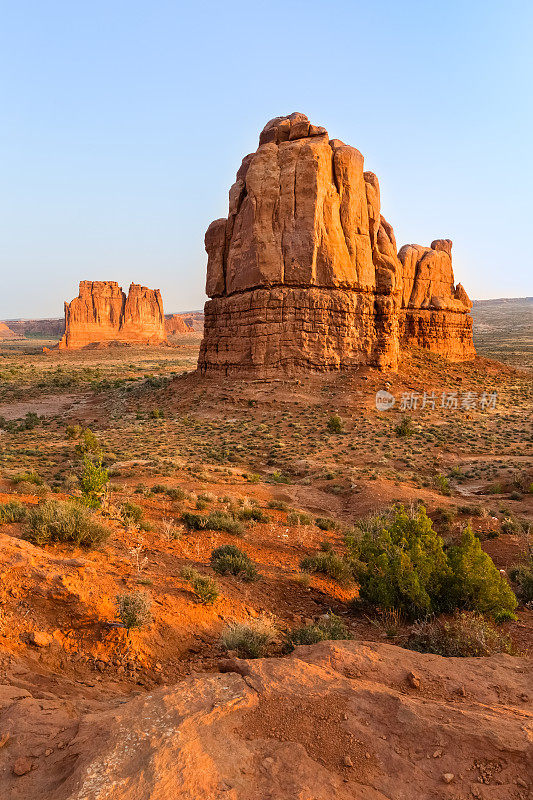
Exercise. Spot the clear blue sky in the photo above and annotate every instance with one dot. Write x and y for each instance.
(123, 123)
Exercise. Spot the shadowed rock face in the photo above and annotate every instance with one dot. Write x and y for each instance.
(102, 313)
(304, 272)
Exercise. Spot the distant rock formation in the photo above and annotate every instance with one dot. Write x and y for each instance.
(177, 324)
(304, 273)
(47, 328)
(102, 313)
(6, 333)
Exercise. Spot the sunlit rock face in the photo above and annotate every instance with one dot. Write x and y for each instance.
(103, 313)
(304, 273)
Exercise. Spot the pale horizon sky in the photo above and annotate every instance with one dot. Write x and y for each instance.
(123, 124)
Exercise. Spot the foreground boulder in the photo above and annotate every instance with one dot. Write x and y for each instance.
(344, 720)
(304, 273)
(102, 313)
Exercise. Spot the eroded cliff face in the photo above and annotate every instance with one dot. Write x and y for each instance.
(304, 272)
(102, 313)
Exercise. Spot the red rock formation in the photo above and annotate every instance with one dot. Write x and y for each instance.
(304, 272)
(7, 333)
(345, 720)
(176, 324)
(102, 314)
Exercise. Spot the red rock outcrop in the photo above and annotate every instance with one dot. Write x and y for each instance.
(176, 324)
(304, 273)
(7, 333)
(345, 720)
(102, 313)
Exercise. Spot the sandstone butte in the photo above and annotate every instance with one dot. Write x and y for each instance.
(304, 273)
(102, 313)
(177, 324)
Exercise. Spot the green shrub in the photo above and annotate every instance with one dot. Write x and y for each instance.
(229, 560)
(522, 575)
(466, 634)
(89, 444)
(278, 477)
(249, 640)
(298, 518)
(475, 583)
(255, 514)
(28, 477)
(216, 521)
(330, 564)
(327, 629)
(133, 610)
(325, 523)
(204, 587)
(405, 427)
(56, 521)
(73, 431)
(280, 505)
(176, 494)
(400, 563)
(94, 479)
(443, 485)
(335, 424)
(131, 513)
(12, 512)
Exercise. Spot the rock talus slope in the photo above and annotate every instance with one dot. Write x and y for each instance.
(344, 720)
(103, 313)
(304, 272)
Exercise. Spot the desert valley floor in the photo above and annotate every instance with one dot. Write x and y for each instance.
(182, 450)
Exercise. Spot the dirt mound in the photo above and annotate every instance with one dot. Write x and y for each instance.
(345, 720)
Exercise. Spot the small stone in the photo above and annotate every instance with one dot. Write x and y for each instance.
(413, 680)
(448, 777)
(437, 754)
(4, 739)
(347, 761)
(22, 766)
(40, 639)
(521, 782)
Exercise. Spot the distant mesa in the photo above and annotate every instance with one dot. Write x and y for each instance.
(102, 314)
(46, 328)
(304, 273)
